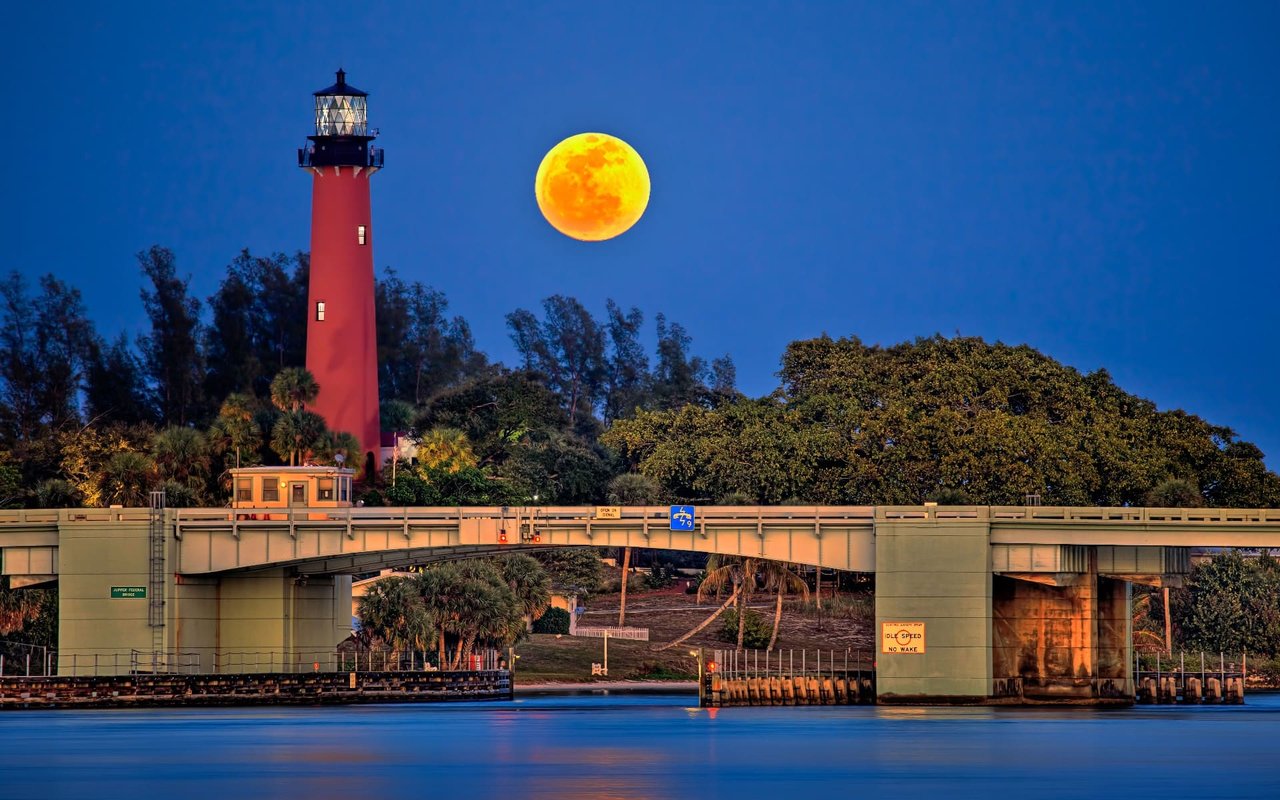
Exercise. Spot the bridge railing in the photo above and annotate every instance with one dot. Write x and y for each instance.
(451, 515)
(551, 516)
(1242, 516)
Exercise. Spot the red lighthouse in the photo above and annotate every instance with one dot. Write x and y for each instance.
(342, 350)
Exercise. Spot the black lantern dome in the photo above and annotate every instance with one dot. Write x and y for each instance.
(342, 134)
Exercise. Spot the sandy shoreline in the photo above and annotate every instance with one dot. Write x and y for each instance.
(611, 686)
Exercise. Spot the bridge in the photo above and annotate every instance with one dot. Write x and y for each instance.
(988, 601)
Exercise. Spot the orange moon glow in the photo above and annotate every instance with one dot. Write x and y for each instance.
(592, 186)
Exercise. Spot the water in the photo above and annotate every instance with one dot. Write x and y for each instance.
(641, 746)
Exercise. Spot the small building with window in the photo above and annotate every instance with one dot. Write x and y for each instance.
(291, 487)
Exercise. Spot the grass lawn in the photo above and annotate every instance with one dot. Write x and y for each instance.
(543, 657)
(846, 624)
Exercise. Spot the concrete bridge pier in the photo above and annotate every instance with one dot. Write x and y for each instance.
(270, 620)
(1000, 617)
(1061, 636)
(251, 621)
(938, 576)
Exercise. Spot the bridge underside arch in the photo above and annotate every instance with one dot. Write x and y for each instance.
(361, 540)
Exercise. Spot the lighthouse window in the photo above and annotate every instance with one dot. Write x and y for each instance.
(320, 311)
(360, 237)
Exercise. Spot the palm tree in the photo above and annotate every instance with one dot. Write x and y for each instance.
(626, 579)
(1145, 639)
(630, 489)
(332, 443)
(295, 434)
(292, 388)
(780, 578)
(493, 617)
(445, 447)
(529, 582)
(181, 495)
(488, 611)
(125, 478)
(393, 611)
(17, 608)
(235, 430)
(181, 454)
(443, 594)
(738, 572)
(56, 493)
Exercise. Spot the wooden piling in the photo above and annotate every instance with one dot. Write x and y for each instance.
(1193, 692)
(1213, 691)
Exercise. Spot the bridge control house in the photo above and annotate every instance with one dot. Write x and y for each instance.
(264, 488)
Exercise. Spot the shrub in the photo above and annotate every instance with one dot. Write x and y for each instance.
(635, 583)
(553, 620)
(859, 608)
(757, 634)
(1265, 672)
(660, 577)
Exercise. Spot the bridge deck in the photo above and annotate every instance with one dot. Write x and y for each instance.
(355, 539)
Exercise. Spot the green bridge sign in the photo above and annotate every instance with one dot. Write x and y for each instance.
(128, 592)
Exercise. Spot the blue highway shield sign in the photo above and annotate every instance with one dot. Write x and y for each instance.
(682, 518)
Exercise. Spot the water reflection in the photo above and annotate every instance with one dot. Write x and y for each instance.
(642, 746)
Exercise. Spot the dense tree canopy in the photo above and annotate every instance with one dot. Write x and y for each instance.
(986, 423)
(258, 323)
(420, 350)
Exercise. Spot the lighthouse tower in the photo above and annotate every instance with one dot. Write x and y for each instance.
(342, 349)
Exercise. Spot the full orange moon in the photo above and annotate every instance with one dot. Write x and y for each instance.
(592, 186)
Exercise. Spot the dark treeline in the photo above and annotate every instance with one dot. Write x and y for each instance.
(588, 414)
(214, 383)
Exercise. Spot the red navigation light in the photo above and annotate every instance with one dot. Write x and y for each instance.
(537, 537)
(502, 536)
(711, 666)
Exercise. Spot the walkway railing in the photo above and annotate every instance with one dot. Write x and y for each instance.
(791, 663)
(1189, 677)
(228, 662)
(27, 660)
(788, 677)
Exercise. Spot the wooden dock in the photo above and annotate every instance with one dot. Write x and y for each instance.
(312, 688)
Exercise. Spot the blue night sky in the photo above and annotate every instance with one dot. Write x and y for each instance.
(1098, 180)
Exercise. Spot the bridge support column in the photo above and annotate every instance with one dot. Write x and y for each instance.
(273, 621)
(103, 577)
(938, 574)
(1062, 636)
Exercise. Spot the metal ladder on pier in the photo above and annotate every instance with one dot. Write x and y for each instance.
(155, 582)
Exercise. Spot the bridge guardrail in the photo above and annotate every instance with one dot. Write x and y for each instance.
(214, 662)
(710, 515)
